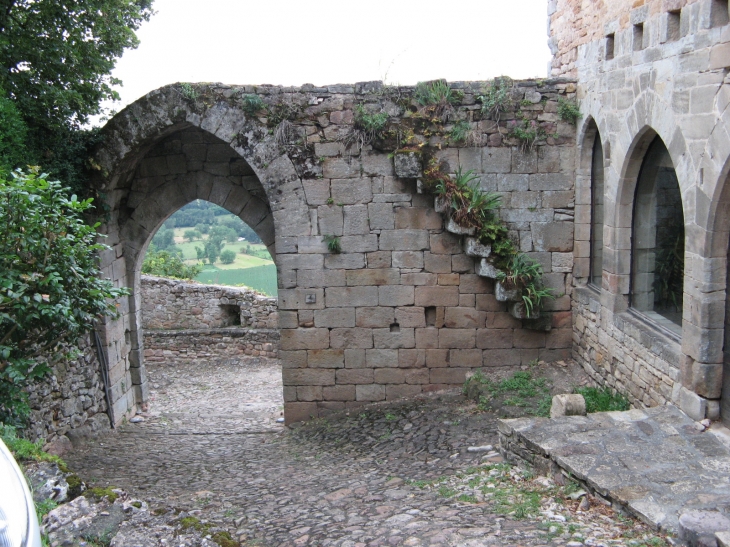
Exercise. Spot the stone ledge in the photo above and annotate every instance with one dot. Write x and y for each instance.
(651, 462)
(232, 332)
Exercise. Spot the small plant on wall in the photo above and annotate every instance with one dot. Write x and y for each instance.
(568, 111)
(525, 274)
(333, 244)
(497, 97)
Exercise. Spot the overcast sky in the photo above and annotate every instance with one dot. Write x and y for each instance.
(292, 42)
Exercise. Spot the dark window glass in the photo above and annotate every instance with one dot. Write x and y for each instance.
(597, 212)
(657, 266)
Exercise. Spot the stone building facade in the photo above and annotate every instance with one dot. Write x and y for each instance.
(650, 74)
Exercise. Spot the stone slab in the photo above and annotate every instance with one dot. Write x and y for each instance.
(653, 462)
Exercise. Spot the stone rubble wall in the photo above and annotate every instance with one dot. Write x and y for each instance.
(618, 351)
(221, 346)
(169, 304)
(574, 23)
(186, 321)
(70, 400)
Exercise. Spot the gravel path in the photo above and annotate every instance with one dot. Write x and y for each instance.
(388, 474)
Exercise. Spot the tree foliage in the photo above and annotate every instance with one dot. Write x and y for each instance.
(168, 264)
(50, 286)
(56, 58)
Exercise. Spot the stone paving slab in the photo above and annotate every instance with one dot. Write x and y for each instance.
(654, 462)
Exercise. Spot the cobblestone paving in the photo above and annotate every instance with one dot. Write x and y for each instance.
(390, 474)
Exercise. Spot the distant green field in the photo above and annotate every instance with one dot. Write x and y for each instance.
(260, 278)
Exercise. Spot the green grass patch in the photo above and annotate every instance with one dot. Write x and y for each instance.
(521, 390)
(260, 278)
(603, 399)
(24, 450)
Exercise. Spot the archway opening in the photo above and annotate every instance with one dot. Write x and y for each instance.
(657, 259)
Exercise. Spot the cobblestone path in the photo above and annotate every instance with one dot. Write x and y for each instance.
(391, 474)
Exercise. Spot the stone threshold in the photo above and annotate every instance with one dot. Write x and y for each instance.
(655, 463)
(233, 332)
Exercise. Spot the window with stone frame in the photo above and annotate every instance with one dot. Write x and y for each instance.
(657, 239)
(597, 191)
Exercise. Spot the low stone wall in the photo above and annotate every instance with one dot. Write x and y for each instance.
(222, 346)
(174, 304)
(70, 399)
(619, 352)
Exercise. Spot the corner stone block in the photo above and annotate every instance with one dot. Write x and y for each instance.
(301, 299)
(552, 236)
(334, 317)
(294, 339)
(339, 393)
(404, 240)
(299, 412)
(345, 338)
(407, 165)
(351, 296)
(692, 404)
(308, 377)
(370, 393)
(457, 339)
(437, 296)
(707, 380)
(326, 358)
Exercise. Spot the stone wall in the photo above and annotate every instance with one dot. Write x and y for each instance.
(219, 346)
(70, 400)
(403, 308)
(187, 321)
(170, 304)
(574, 23)
(623, 354)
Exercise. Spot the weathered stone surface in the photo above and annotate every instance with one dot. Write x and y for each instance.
(568, 405)
(698, 528)
(407, 165)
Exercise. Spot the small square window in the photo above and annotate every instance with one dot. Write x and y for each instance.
(674, 25)
(610, 46)
(719, 13)
(638, 37)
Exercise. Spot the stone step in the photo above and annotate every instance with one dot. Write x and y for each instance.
(441, 205)
(487, 269)
(518, 310)
(473, 248)
(503, 294)
(454, 228)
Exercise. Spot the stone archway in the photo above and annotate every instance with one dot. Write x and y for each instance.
(164, 152)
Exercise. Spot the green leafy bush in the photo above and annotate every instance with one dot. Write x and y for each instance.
(568, 111)
(228, 256)
(168, 264)
(496, 97)
(603, 399)
(251, 104)
(50, 289)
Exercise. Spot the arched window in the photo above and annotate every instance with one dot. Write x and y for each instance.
(657, 262)
(597, 213)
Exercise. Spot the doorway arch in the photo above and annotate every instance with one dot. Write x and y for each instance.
(159, 154)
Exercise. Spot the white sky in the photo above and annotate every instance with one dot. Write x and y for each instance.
(291, 42)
